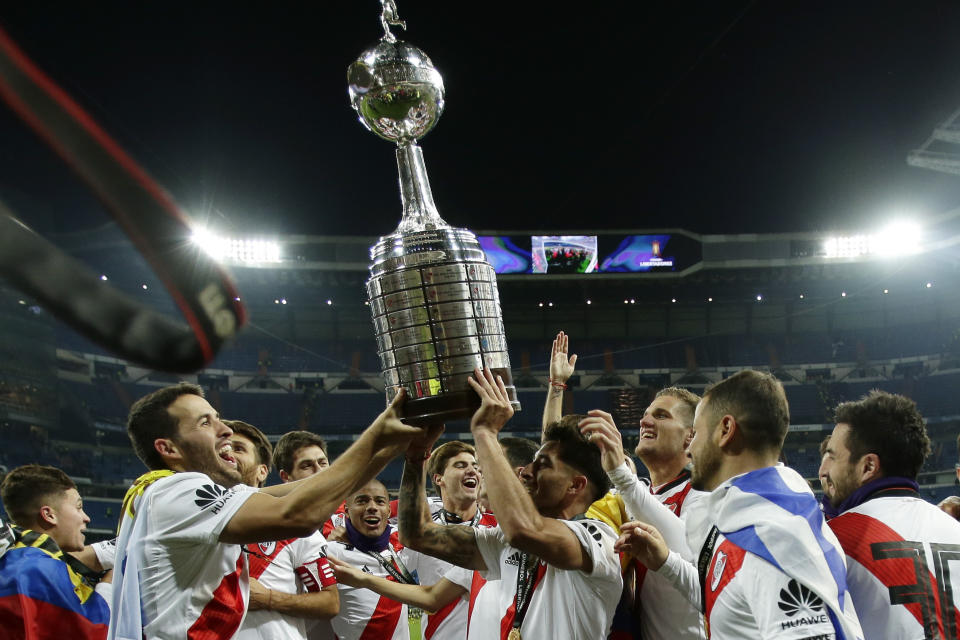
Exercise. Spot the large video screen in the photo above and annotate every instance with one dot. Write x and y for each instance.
(564, 254)
(604, 253)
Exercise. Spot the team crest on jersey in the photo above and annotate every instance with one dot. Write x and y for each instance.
(267, 548)
(718, 568)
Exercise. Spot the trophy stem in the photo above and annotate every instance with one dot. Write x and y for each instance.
(419, 211)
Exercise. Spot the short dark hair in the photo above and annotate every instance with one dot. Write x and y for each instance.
(519, 451)
(291, 442)
(150, 419)
(688, 399)
(758, 403)
(890, 426)
(26, 488)
(824, 444)
(578, 452)
(437, 463)
(254, 435)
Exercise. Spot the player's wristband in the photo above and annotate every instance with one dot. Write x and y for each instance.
(316, 575)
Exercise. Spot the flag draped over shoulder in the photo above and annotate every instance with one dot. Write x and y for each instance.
(42, 598)
(127, 622)
(772, 513)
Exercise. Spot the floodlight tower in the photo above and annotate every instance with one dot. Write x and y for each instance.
(948, 161)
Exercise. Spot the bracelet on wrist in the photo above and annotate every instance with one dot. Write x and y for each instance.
(557, 384)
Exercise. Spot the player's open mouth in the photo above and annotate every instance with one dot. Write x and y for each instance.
(648, 434)
(371, 521)
(471, 483)
(226, 453)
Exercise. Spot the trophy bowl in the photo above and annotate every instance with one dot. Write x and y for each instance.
(396, 91)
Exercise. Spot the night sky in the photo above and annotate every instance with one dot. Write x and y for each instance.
(714, 116)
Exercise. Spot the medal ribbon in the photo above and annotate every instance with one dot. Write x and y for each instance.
(397, 570)
(527, 580)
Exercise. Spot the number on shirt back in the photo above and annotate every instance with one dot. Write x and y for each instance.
(923, 591)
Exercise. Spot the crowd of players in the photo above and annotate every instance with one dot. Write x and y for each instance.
(552, 540)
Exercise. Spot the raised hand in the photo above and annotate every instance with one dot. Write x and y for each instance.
(388, 428)
(598, 428)
(495, 408)
(561, 368)
(644, 543)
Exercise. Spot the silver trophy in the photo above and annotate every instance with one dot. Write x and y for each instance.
(432, 293)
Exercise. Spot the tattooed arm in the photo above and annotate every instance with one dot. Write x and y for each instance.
(455, 544)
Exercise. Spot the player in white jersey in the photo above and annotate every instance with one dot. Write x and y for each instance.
(769, 566)
(455, 587)
(550, 572)
(180, 571)
(900, 549)
(373, 548)
(664, 612)
(649, 601)
(291, 581)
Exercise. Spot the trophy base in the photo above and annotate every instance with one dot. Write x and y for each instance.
(453, 405)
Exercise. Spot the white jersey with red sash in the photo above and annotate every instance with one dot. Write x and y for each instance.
(652, 607)
(365, 615)
(274, 564)
(665, 613)
(174, 579)
(903, 566)
(769, 565)
(562, 604)
(450, 622)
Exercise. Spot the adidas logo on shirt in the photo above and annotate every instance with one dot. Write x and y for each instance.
(514, 559)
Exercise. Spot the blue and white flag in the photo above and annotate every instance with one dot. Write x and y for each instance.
(772, 513)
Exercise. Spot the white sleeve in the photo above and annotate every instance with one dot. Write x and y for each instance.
(310, 548)
(683, 576)
(641, 505)
(491, 543)
(597, 540)
(192, 508)
(105, 589)
(106, 552)
(460, 577)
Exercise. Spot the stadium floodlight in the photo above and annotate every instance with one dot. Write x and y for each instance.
(900, 238)
(238, 250)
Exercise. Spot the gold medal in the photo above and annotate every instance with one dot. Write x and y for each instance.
(514, 634)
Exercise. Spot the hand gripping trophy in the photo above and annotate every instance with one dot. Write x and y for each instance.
(432, 293)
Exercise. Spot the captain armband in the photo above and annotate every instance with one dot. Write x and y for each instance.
(316, 574)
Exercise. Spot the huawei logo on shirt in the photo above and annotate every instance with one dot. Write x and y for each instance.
(212, 496)
(798, 600)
